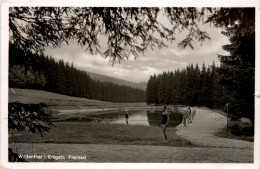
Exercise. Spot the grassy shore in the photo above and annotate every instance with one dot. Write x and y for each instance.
(102, 133)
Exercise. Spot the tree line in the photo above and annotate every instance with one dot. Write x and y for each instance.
(191, 86)
(28, 70)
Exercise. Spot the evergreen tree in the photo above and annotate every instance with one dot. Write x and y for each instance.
(152, 90)
(238, 68)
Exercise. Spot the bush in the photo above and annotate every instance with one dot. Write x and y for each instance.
(239, 128)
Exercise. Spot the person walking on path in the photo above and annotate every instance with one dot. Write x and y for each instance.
(165, 120)
(193, 113)
(126, 116)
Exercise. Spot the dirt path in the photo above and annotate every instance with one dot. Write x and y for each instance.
(202, 131)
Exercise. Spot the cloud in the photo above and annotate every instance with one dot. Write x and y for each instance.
(152, 62)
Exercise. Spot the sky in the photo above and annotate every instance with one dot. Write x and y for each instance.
(152, 62)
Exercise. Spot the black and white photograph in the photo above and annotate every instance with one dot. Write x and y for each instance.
(129, 84)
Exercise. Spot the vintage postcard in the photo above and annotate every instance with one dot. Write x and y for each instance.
(129, 84)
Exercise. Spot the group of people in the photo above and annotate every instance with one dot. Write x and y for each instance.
(189, 116)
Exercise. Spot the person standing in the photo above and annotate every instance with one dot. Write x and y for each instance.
(193, 113)
(165, 120)
(126, 116)
(189, 115)
(184, 120)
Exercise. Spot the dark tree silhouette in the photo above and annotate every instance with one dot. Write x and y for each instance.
(29, 117)
(238, 68)
(127, 30)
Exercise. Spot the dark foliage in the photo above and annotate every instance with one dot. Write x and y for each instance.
(190, 86)
(28, 116)
(238, 68)
(128, 31)
(13, 157)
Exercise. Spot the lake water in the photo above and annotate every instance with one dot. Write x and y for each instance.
(135, 117)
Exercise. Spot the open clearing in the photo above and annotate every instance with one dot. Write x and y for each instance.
(101, 142)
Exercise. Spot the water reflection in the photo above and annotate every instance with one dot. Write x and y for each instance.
(135, 117)
(155, 118)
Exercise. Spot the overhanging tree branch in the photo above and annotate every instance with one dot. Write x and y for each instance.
(129, 31)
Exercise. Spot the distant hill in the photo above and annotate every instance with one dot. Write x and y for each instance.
(141, 85)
